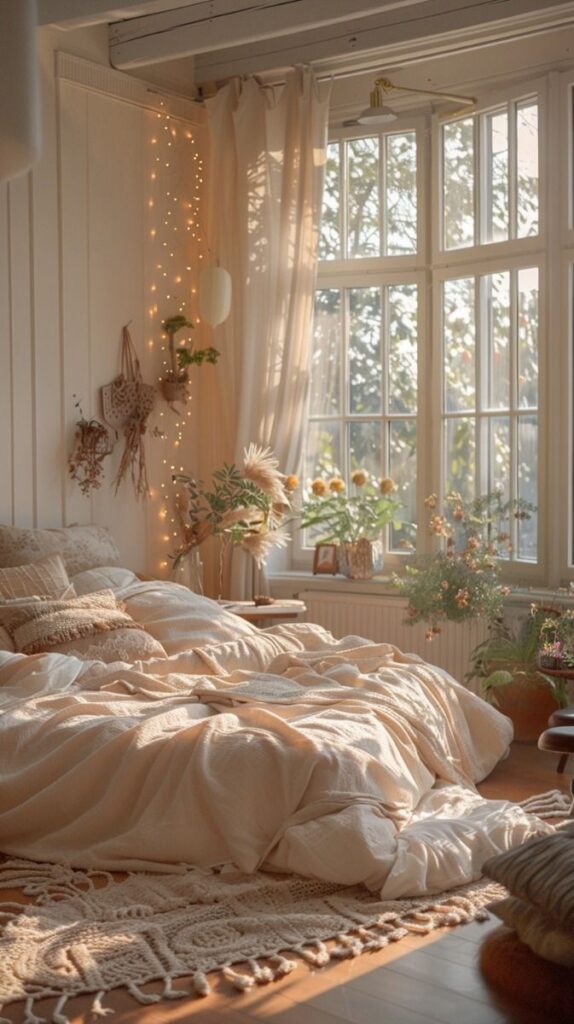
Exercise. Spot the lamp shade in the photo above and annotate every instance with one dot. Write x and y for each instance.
(374, 115)
(19, 94)
(214, 295)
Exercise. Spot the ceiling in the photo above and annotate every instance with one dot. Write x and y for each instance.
(229, 37)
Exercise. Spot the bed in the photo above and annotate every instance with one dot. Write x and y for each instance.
(177, 733)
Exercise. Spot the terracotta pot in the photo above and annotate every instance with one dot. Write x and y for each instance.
(529, 707)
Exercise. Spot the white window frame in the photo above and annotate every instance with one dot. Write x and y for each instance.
(553, 252)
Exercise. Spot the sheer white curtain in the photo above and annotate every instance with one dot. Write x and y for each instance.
(267, 155)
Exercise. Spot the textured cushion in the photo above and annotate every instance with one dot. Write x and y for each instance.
(535, 928)
(46, 578)
(6, 642)
(81, 547)
(541, 872)
(114, 645)
(39, 625)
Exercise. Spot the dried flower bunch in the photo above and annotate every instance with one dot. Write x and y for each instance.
(92, 442)
(349, 516)
(462, 580)
(246, 506)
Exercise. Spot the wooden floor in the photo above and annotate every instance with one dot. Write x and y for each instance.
(432, 979)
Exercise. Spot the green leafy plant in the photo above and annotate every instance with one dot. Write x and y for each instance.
(513, 656)
(462, 580)
(176, 378)
(343, 516)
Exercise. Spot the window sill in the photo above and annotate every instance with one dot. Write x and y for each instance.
(290, 584)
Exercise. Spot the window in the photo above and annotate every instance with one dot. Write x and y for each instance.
(430, 372)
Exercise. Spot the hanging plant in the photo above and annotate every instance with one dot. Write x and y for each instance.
(175, 382)
(92, 442)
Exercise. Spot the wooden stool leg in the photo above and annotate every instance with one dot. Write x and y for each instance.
(562, 763)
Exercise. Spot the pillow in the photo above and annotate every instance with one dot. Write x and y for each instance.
(81, 547)
(536, 930)
(541, 872)
(114, 645)
(47, 578)
(108, 577)
(39, 625)
(6, 643)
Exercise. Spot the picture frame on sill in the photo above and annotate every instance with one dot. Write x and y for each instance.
(325, 559)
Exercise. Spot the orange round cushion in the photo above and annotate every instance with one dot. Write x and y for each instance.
(516, 972)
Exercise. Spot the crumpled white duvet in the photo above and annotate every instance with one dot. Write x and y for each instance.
(280, 749)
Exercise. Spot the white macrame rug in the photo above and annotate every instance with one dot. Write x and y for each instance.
(87, 933)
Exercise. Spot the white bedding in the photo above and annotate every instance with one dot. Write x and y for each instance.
(282, 749)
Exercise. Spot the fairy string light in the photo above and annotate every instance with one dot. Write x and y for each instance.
(174, 241)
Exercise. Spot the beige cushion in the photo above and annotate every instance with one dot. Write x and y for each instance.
(81, 547)
(129, 645)
(39, 625)
(6, 642)
(537, 930)
(47, 578)
(541, 872)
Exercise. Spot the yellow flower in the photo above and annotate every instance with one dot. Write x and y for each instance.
(336, 485)
(430, 502)
(438, 525)
(386, 485)
(319, 487)
(291, 482)
(462, 598)
(359, 477)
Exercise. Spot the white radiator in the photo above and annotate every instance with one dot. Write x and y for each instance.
(382, 619)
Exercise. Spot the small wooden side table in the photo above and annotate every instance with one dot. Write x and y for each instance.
(266, 614)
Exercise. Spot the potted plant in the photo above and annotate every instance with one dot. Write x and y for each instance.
(174, 384)
(462, 581)
(509, 666)
(352, 519)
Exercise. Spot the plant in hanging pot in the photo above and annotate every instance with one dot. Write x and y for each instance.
(352, 518)
(175, 382)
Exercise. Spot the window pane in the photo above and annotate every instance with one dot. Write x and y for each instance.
(403, 469)
(365, 447)
(330, 238)
(497, 203)
(363, 170)
(326, 353)
(499, 455)
(459, 344)
(402, 303)
(323, 450)
(365, 376)
(497, 288)
(458, 183)
(528, 484)
(527, 169)
(528, 337)
(401, 194)
(460, 457)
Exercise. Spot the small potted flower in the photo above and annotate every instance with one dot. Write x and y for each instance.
(175, 381)
(352, 518)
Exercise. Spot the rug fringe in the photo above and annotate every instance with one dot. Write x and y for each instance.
(553, 804)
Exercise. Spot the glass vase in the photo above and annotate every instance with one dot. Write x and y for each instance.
(190, 571)
(361, 559)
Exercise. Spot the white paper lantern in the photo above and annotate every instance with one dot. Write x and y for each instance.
(19, 96)
(214, 295)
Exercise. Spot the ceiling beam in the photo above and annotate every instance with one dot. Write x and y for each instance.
(79, 13)
(218, 24)
(409, 35)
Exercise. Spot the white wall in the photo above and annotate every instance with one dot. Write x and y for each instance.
(74, 267)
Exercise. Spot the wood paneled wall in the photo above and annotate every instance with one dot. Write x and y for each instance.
(74, 269)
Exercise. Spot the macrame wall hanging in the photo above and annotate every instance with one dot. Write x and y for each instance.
(127, 403)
